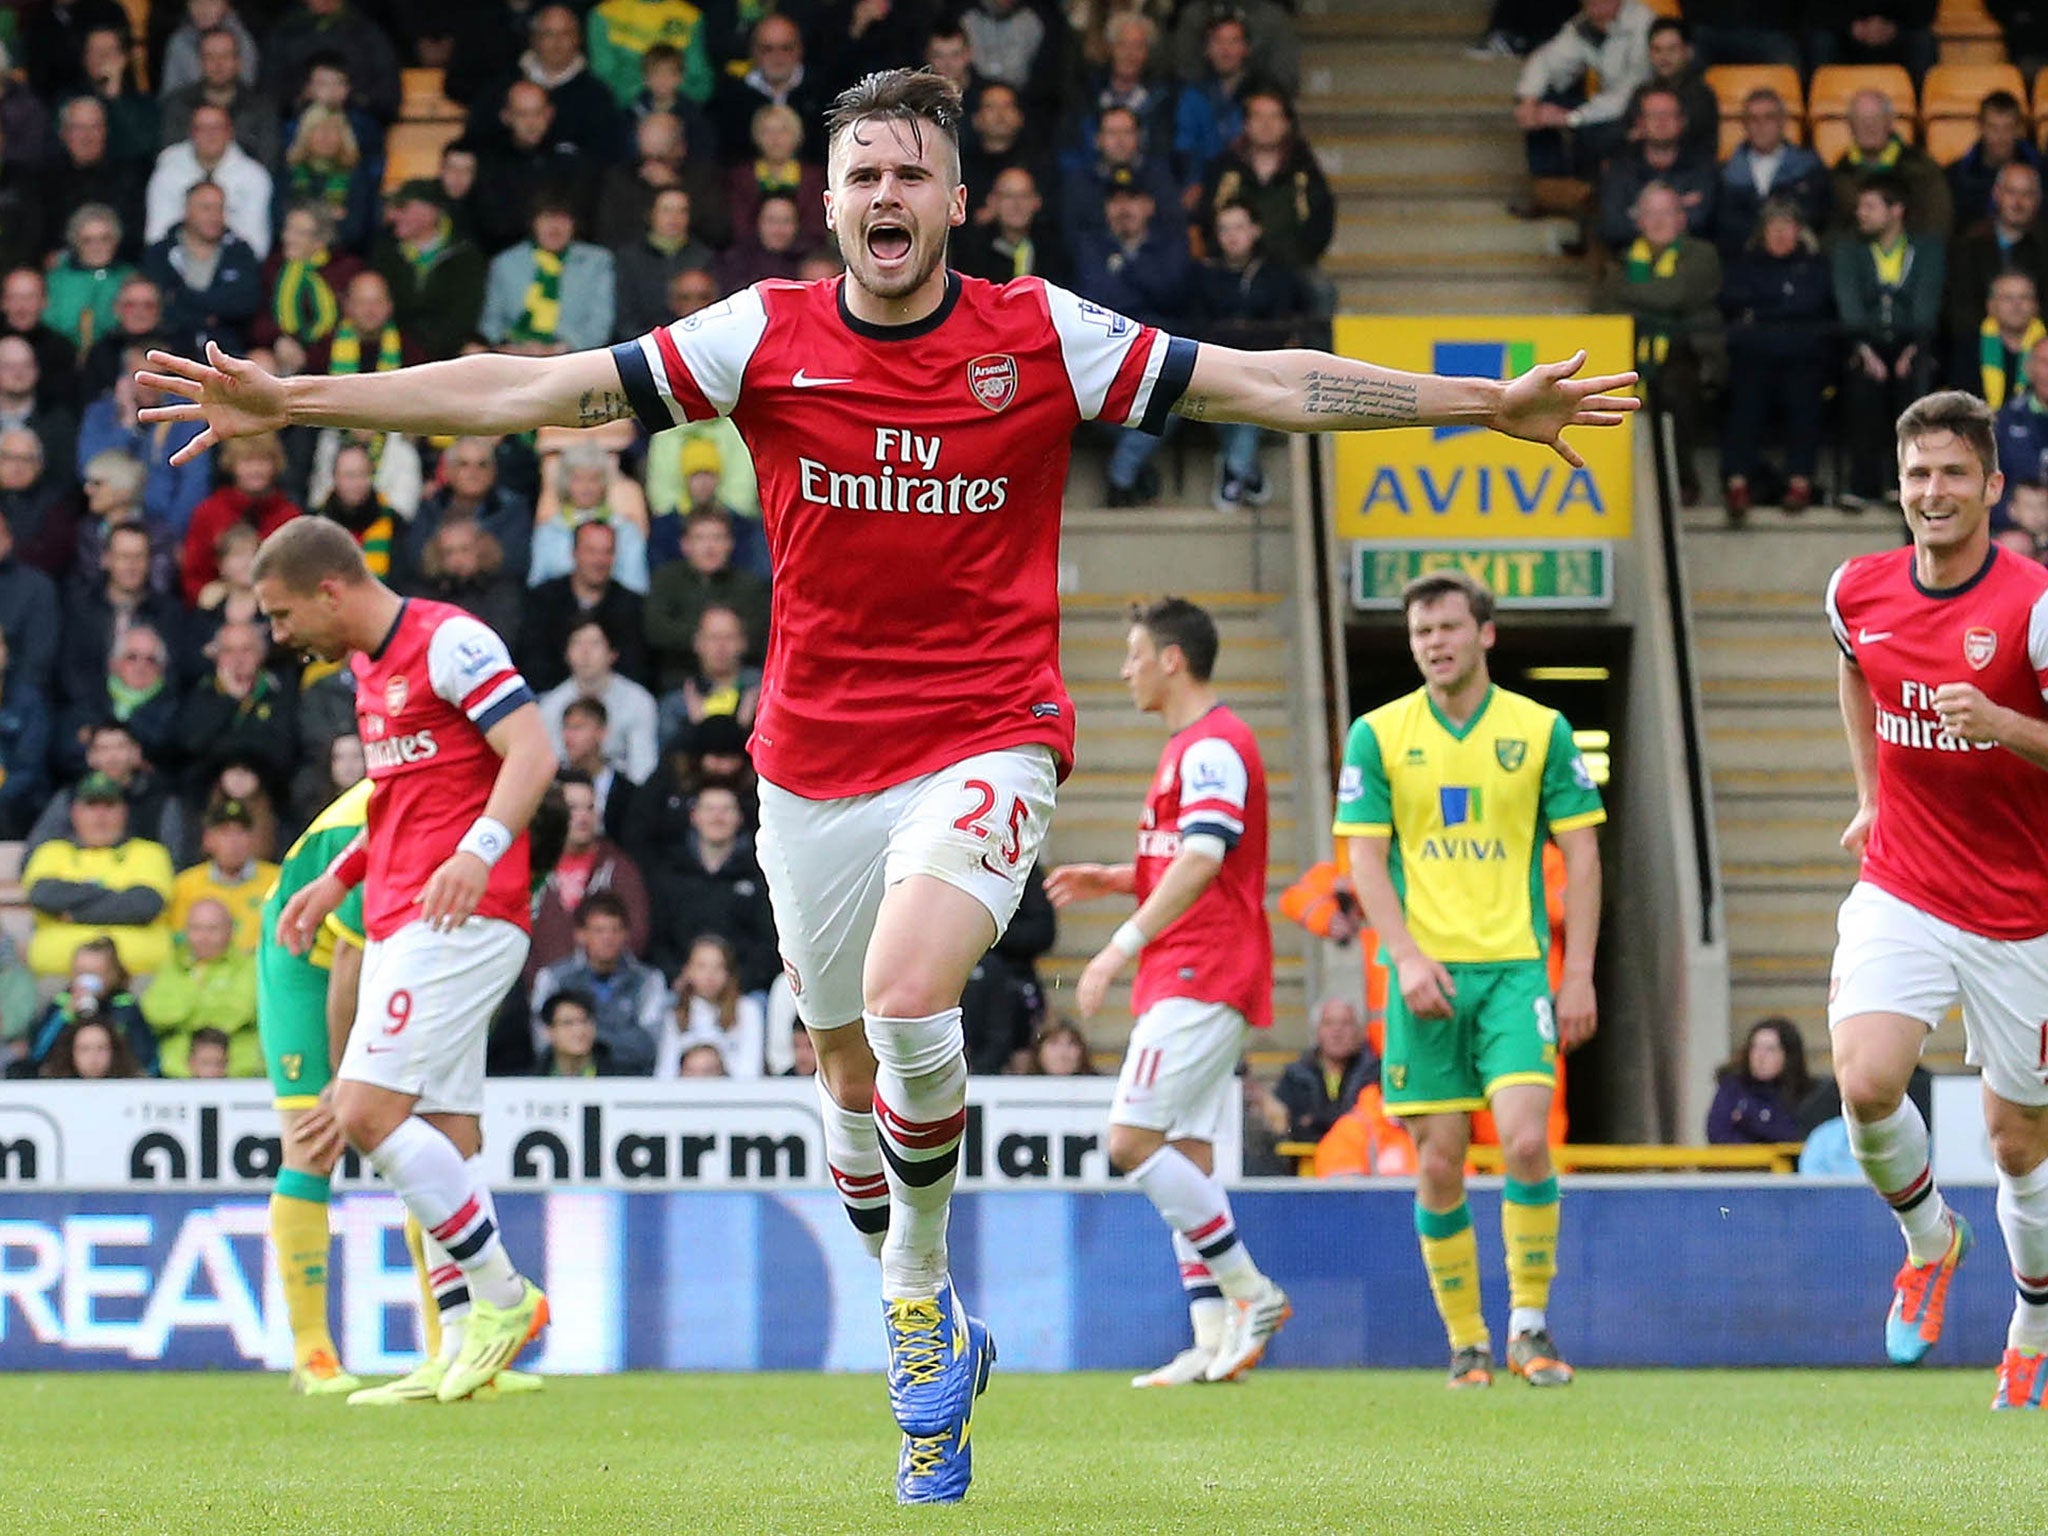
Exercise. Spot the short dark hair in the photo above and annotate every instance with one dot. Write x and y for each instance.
(207, 1034)
(1957, 411)
(1434, 586)
(912, 97)
(602, 904)
(2000, 101)
(327, 58)
(661, 53)
(1887, 186)
(567, 776)
(592, 708)
(1671, 24)
(307, 551)
(573, 997)
(1643, 96)
(1177, 622)
(591, 621)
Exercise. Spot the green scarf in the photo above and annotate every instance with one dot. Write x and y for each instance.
(346, 353)
(422, 258)
(1991, 357)
(541, 319)
(1644, 263)
(124, 700)
(305, 305)
(312, 184)
(778, 176)
(1884, 159)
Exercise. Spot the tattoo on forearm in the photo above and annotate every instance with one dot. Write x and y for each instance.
(1330, 394)
(599, 406)
(1193, 407)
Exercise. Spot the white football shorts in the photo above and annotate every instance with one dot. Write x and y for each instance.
(977, 825)
(1180, 1069)
(424, 1010)
(1894, 958)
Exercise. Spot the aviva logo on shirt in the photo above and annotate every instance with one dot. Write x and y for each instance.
(1461, 805)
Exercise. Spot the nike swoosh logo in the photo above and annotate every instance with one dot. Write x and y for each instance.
(1872, 636)
(802, 380)
(378, 1050)
(990, 867)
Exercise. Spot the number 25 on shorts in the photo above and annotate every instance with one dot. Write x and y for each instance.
(976, 819)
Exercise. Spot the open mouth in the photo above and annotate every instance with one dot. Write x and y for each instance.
(888, 242)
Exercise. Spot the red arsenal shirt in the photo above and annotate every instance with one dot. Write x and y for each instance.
(910, 489)
(1962, 830)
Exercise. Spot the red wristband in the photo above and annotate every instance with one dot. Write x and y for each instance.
(352, 864)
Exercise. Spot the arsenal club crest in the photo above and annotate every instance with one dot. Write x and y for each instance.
(1979, 646)
(992, 380)
(394, 694)
(1510, 754)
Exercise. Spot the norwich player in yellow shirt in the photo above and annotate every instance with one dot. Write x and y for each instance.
(1448, 795)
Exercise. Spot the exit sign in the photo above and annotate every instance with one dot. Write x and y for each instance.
(1560, 573)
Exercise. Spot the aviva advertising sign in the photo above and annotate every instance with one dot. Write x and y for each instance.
(1465, 483)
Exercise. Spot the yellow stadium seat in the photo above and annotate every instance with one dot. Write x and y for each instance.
(1732, 84)
(1950, 138)
(1664, 7)
(1957, 90)
(423, 97)
(1830, 140)
(414, 149)
(1965, 21)
(1834, 84)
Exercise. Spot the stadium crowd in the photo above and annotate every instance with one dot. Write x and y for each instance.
(201, 170)
(1811, 221)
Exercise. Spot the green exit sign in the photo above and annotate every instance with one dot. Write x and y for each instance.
(1560, 573)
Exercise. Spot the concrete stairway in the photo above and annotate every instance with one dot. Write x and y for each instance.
(1782, 786)
(1110, 560)
(1424, 158)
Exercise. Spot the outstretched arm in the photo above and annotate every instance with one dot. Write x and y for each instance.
(1297, 390)
(485, 395)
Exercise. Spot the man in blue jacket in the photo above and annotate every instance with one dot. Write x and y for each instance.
(211, 281)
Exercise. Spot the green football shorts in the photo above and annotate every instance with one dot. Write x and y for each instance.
(1503, 1031)
(291, 1020)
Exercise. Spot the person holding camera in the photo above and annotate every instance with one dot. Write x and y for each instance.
(97, 993)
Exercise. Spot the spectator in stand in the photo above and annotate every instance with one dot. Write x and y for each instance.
(2013, 242)
(211, 279)
(240, 715)
(2001, 141)
(1656, 153)
(774, 169)
(24, 747)
(330, 85)
(207, 984)
(1667, 280)
(1995, 368)
(94, 1030)
(1763, 167)
(703, 466)
(125, 470)
(24, 303)
(53, 37)
(1210, 113)
(83, 173)
(326, 168)
(1012, 45)
(573, 1048)
(469, 489)
(1270, 29)
(1060, 1050)
(133, 133)
(330, 765)
(207, 1056)
(662, 91)
(1572, 99)
(1128, 79)
(230, 875)
(1778, 296)
(723, 683)
(465, 565)
(113, 484)
(315, 29)
(947, 52)
(581, 482)
(1888, 286)
(210, 156)
(664, 159)
(584, 726)
(630, 743)
(1324, 1081)
(619, 36)
(1274, 173)
(589, 593)
(1761, 1088)
(1001, 142)
(87, 275)
(1249, 303)
(354, 499)
(1004, 1004)
(773, 249)
(305, 278)
(712, 884)
(1139, 268)
(1018, 239)
(631, 998)
(367, 338)
(1871, 32)
(23, 407)
(527, 161)
(702, 1060)
(180, 65)
(1672, 68)
(126, 678)
(230, 598)
(2023, 427)
(590, 862)
(1743, 32)
(138, 323)
(434, 277)
(777, 76)
(28, 610)
(40, 508)
(253, 466)
(680, 591)
(223, 83)
(710, 1010)
(585, 113)
(1876, 146)
(1119, 161)
(643, 269)
(551, 294)
(98, 882)
(153, 810)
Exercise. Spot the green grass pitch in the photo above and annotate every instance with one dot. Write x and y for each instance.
(1286, 1452)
